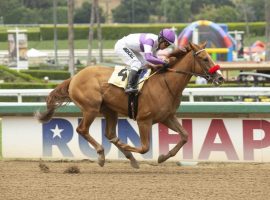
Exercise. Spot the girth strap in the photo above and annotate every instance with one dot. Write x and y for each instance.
(133, 105)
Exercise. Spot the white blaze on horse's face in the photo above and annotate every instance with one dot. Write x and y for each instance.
(219, 72)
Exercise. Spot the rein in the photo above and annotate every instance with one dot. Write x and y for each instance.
(206, 75)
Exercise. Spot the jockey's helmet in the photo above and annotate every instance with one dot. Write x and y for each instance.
(167, 34)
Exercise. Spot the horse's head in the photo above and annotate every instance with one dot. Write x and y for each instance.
(203, 65)
(199, 61)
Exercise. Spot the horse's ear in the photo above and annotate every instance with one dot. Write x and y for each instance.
(192, 46)
(187, 47)
(203, 44)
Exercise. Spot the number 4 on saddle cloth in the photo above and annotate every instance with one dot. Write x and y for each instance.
(119, 79)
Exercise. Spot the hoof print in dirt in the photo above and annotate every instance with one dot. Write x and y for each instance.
(72, 170)
(44, 168)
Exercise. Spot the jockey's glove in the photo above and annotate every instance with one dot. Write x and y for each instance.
(164, 67)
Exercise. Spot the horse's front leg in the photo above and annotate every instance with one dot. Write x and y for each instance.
(173, 124)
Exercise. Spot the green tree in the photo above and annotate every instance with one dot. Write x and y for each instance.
(6, 6)
(82, 15)
(21, 15)
(131, 11)
(42, 4)
(196, 5)
(250, 10)
(31, 11)
(176, 10)
(38, 3)
(61, 15)
(220, 14)
(257, 8)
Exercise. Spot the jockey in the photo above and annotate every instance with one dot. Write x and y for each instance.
(137, 50)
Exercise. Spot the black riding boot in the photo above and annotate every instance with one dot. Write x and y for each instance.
(132, 82)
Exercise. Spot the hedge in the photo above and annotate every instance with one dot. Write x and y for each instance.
(26, 77)
(256, 28)
(52, 74)
(31, 35)
(32, 75)
(116, 31)
(26, 85)
(47, 32)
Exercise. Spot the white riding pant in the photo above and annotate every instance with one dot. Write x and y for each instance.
(132, 59)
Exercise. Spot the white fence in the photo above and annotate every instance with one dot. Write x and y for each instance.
(230, 91)
(189, 92)
(81, 54)
(20, 93)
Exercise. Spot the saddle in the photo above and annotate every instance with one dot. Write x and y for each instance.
(119, 79)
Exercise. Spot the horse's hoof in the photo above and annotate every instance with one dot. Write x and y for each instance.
(133, 161)
(161, 158)
(101, 162)
(134, 164)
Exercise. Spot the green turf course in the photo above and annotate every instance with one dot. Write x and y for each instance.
(62, 44)
(83, 44)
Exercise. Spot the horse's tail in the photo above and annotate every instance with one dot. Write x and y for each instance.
(56, 98)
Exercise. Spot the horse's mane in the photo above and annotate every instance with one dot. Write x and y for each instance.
(178, 53)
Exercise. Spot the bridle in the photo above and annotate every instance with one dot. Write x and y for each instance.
(207, 73)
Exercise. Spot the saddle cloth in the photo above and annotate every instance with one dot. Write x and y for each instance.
(120, 74)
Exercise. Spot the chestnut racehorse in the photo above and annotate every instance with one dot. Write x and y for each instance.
(158, 100)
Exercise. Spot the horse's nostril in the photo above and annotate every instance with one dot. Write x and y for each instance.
(220, 79)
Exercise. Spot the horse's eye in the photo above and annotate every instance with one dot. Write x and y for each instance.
(205, 60)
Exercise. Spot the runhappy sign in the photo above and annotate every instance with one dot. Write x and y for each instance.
(209, 139)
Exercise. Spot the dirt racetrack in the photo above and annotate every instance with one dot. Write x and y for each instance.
(117, 180)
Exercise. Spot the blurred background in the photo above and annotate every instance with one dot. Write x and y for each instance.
(43, 42)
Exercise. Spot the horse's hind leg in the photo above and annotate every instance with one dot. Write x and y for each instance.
(111, 121)
(173, 123)
(83, 130)
(145, 130)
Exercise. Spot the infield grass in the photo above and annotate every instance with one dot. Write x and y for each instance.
(83, 44)
(62, 44)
